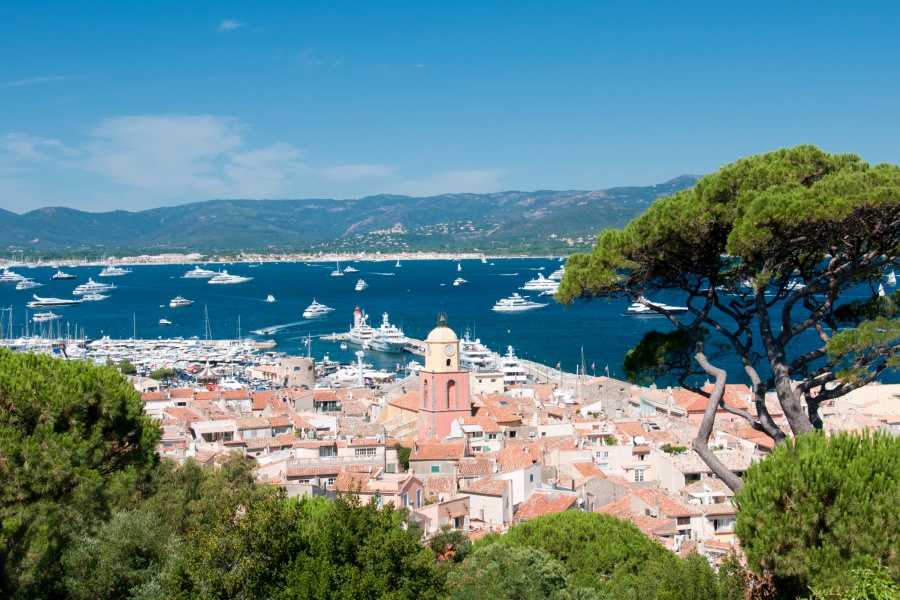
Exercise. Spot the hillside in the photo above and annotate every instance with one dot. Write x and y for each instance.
(529, 222)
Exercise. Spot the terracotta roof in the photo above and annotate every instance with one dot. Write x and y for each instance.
(709, 484)
(653, 527)
(261, 399)
(252, 423)
(435, 485)
(206, 396)
(408, 401)
(487, 424)
(279, 421)
(513, 459)
(235, 394)
(153, 396)
(476, 467)
(354, 407)
(488, 487)
(438, 451)
(620, 507)
(181, 393)
(313, 471)
(719, 509)
(325, 396)
(588, 469)
(543, 504)
(668, 505)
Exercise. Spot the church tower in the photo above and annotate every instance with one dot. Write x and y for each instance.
(443, 386)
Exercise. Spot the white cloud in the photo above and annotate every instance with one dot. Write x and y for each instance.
(229, 24)
(35, 80)
(475, 181)
(29, 147)
(264, 172)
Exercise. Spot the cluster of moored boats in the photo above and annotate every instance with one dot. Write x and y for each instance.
(545, 286)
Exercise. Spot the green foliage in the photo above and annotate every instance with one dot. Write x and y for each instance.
(403, 456)
(610, 440)
(312, 548)
(74, 445)
(450, 539)
(501, 572)
(818, 507)
(164, 373)
(126, 368)
(659, 354)
(864, 584)
(670, 449)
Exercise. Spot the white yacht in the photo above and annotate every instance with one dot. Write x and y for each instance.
(558, 274)
(458, 267)
(892, 278)
(270, 298)
(45, 317)
(27, 284)
(316, 310)
(351, 269)
(46, 302)
(8, 276)
(337, 270)
(199, 273)
(475, 356)
(361, 285)
(94, 297)
(60, 275)
(388, 338)
(179, 301)
(512, 369)
(92, 287)
(165, 321)
(361, 333)
(459, 281)
(516, 303)
(112, 271)
(541, 284)
(640, 310)
(224, 277)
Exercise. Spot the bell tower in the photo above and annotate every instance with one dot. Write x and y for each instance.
(443, 386)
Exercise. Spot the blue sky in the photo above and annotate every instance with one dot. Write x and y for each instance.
(133, 105)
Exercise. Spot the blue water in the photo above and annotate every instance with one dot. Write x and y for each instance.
(412, 294)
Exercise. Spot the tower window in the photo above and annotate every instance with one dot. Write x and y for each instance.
(448, 362)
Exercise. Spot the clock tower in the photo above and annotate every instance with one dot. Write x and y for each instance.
(443, 386)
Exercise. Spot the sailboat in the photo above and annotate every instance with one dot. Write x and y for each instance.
(337, 270)
(880, 290)
(398, 263)
(891, 279)
(459, 266)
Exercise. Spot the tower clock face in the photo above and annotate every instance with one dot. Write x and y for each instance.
(449, 350)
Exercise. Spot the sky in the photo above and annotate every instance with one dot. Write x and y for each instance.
(135, 105)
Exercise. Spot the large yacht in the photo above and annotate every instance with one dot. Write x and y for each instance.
(388, 338)
(45, 317)
(361, 285)
(351, 269)
(179, 301)
(92, 287)
(112, 271)
(638, 309)
(27, 284)
(8, 276)
(473, 355)
(459, 281)
(45, 302)
(224, 277)
(361, 333)
(316, 310)
(199, 273)
(541, 284)
(94, 297)
(516, 303)
(512, 369)
(61, 275)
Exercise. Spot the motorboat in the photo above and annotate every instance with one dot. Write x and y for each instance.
(27, 284)
(61, 275)
(224, 278)
(8, 276)
(316, 310)
(199, 273)
(343, 345)
(94, 297)
(337, 270)
(270, 298)
(361, 285)
(516, 303)
(361, 334)
(473, 355)
(459, 281)
(47, 302)
(45, 317)
(112, 271)
(165, 321)
(638, 309)
(179, 301)
(558, 274)
(388, 338)
(92, 287)
(541, 283)
(351, 269)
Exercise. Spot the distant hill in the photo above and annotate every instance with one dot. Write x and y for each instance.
(504, 222)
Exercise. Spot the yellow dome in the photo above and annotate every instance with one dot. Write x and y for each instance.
(442, 335)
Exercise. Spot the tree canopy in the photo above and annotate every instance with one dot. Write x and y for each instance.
(763, 250)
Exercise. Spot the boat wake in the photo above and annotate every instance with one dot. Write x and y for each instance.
(276, 328)
(382, 273)
(507, 274)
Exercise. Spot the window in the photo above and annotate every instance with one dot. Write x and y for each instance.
(365, 451)
(639, 474)
(492, 436)
(684, 520)
(531, 478)
(330, 481)
(602, 453)
(405, 499)
(419, 498)
(326, 451)
(723, 524)
(435, 468)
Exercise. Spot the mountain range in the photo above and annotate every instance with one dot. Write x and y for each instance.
(524, 222)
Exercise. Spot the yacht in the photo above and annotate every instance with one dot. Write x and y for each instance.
(474, 356)
(199, 273)
(27, 284)
(316, 310)
(45, 317)
(351, 269)
(270, 298)
(512, 369)
(516, 303)
(459, 267)
(179, 301)
(361, 333)
(94, 297)
(60, 275)
(165, 321)
(542, 284)
(92, 287)
(558, 274)
(224, 278)
(388, 338)
(8, 276)
(337, 270)
(891, 278)
(112, 271)
(640, 310)
(45, 302)
(361, 285)
(459, 281)
(398, 263)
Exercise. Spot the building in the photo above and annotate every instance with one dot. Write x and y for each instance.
(443, 385)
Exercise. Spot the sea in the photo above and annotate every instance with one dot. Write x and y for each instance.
(590, 336)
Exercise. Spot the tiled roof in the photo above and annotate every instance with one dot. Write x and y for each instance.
(438, 451)
(488, 487)
(487, 424)
(279, 421)
(206, 396)
(153, 396)
(325, 396)
(719, 509)
(668, 505)
(691, 462)
(408, 401)
(252, 423)
(653, 527)
(261, 399)
(235, 394)
(709, 484)
(181, 393)
(435, 485)
(354, 407)
(588, 469)
(513, 459)
(618, 508)
(313, 471)
(543, 504)
(476, 467)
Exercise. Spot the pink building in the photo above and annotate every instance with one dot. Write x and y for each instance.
(443, 386)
